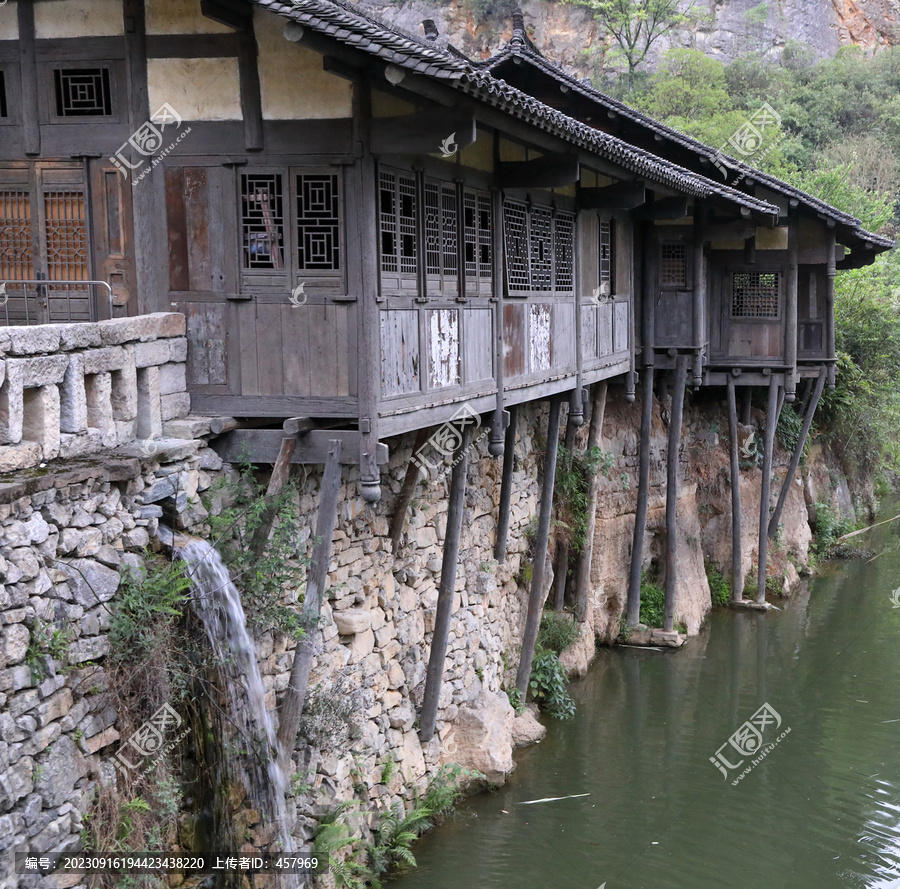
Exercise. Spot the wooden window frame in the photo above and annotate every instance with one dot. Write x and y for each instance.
(728, 294)
(117, 91)
(533, 208)
(12, 90)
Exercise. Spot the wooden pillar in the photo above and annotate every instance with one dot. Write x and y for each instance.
(585, 557)
(790, 315)
(410, 480)
(280, 473)
(498, 290)
(31, 131)
(542, 541)
(509, 460)
(643, 495)
(746, 404)
(562, 557)
(798, 450)
(438, 654)
(699, 294)
(830, 271)
(292, 705)
(674, 446)
(769, 444)
(648, 309)
(737, 579)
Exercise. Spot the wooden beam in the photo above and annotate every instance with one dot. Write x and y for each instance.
(31, 130)
(231, 13)
(647, 295)
(798, 450)
(830, 271)
(561, 571)
(672, 490)
(768, 446)
(643, 494)
(667, 208)
(446, 589)
(737, 579)
(509, 460)
(264, 445)
(251, 96)
(496, 445)
(549, 171)
(294, 697)
(341, 69)
(280, 473)
(410, 480)
(585, 557)
(423, 132)
(541, 543)
(621, 196)
(790, 312)
(699, 295)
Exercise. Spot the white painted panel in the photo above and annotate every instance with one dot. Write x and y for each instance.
(87, 18)
(539, 336)
(9, 22)
(198, 89)
(292, 82)
(443, 348)
(180, 17)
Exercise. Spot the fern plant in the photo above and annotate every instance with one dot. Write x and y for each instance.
(394, 833)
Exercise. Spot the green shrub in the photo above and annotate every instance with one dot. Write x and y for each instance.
(828, 529)
(445, 789)
(653, 603)
(574, 471)
(548, 685)
(787, 431)
(557, 632)
(719, 586)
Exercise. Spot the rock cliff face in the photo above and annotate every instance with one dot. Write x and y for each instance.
(725, 30)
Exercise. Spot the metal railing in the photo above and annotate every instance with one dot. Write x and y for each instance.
(53, 302)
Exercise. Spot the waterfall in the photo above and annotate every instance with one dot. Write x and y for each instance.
(252, 752)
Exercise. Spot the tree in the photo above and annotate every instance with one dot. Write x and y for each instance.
(687, 84)
(636, 25)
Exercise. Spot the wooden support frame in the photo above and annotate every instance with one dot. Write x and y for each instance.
(410, 481)
(674, 446)
(665, 208)
(798, 450)
(561, 571)
(549, 171)
(509, 460)
(280, 472)
(766, 487)
(264, 446)
(446, 588)
(585, 558)
(422, 132)
(541, 543)
(737, 578)
(643, 495)
(620, 196)
(31, 130)
(292, 705)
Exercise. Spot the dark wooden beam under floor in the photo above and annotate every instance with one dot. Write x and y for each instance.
(633, 615)
(737, 579)
(674, 445)
(509, 461)
(766, 487)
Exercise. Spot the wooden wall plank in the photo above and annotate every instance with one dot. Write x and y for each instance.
(514, 339)
(442, 332)
(177, 229)
(207, 335)
(269, 359)
(478, 345)
(295, 339)
(399, 352)
(196, 207)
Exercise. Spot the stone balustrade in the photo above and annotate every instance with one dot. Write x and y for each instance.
(70, 390)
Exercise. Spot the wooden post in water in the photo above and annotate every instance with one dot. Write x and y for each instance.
(798, 451)
(541, 543)
(769, 444)
(509, 460)
(561, 572)
(294, 697)
(674, 446)
(633, 613)
(585, 558)
(438, 654)
(737, 580)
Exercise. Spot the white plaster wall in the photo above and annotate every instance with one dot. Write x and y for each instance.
(292, 82)
(180, 17)
(9, 22)
(86, 18)
(198, 89)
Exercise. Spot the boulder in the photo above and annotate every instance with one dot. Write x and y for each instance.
(527, 730)
(483, 736)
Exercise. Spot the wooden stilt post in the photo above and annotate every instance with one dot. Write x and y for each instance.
(561, 571)
(830, 271)
(737, 579)
(280, 472)
(633, 615)
(410, 480)
(438, 654)
(798, 451)
(769, 444)
(583, 569)
(746, 404)
(542, 541)
(509, 460)
(294, 697)
(672, 490)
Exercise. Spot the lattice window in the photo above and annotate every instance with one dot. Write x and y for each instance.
(4, 110)
(440, 231)
(606, 254)
(449, 235)
(673, 265)
(755, 294)
(432, 229)
(397, 217)
(65, 230)
(541, 243)
(387, 214)
(262, 221)
(82, 92)
(477, 234)
(485, 229)
(406, 219)
(516, 234)
(16, 258)
(564, 249)
(318, 222)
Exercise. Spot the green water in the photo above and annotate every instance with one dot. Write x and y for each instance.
(820, 811)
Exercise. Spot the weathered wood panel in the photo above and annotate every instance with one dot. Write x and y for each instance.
(478, 345)
(605, 329)
(513, 340)
(540, 337)
(589, 331)
(196, 208)
(674, 321)
(177, 227)
(563, 335)
(755, 340)
(207, 335)
(443, 347)
(270, 363)
(399, 352)
(297, 358)
(620, 337)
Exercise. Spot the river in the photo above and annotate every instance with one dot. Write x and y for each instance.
(821, 810)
